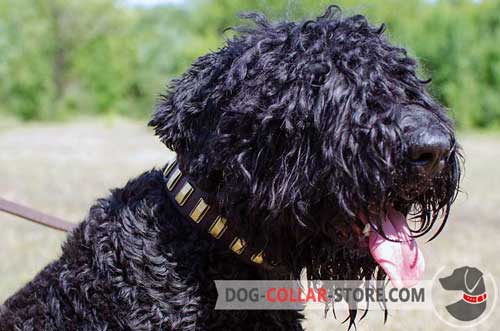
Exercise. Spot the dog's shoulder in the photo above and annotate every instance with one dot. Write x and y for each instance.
(141, 196)
(121, 225)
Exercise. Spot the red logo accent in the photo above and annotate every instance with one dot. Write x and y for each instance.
(475, 299)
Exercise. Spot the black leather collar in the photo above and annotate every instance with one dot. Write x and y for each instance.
(191, 203)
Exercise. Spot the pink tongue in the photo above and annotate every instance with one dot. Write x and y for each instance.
(401, 259)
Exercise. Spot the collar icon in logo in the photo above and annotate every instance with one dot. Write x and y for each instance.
(470, 281)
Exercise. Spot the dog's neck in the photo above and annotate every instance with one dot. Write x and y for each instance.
(190, 201)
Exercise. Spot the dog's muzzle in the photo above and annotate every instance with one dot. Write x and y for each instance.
(428, 143)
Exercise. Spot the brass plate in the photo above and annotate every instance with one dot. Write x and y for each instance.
(184, 194)
(238, 245)
(218, 227)
(199, 211)
(172, 180)
(258, 258)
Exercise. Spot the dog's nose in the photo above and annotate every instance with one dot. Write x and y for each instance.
(428, 142)
(427, 150)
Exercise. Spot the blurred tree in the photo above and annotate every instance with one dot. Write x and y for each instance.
(59, 58)
(24, 65)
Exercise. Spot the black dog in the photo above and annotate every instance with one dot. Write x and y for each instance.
(297, 134)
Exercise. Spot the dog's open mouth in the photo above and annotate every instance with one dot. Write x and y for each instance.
(394, 249)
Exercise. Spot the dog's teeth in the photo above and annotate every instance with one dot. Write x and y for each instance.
(366, 230)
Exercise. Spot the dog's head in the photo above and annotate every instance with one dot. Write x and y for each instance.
(303, 133)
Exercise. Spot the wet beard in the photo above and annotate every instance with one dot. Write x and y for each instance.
(347, 259)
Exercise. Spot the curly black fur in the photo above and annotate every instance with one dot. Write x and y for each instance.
(292, 130)
(292, 127)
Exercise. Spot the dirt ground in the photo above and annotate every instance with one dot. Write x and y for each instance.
(61, 169)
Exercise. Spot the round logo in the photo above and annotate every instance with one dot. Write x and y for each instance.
(463, 297)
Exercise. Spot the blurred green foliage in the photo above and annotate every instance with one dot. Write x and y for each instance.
(61, 58)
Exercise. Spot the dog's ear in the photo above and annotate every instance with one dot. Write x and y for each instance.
(187, 114)
(186, 111)
(472, 278)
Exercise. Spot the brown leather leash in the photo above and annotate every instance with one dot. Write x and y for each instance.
(35, 216)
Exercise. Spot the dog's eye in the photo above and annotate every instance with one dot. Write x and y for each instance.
(271, 88)
(317, 73)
